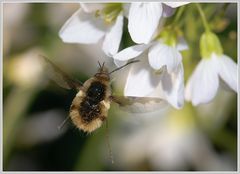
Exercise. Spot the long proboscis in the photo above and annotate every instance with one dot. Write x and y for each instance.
(133, 61)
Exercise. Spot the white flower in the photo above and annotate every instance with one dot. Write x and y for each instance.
(175, 4)
(30, 77)
(162, 79)
(93, 22)
(144, 18)
(170, 141)
(203, 84)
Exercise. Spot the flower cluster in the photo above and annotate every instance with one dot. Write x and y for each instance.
(160, 72)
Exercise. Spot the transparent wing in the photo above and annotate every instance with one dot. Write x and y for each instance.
(139, 104)
(59, 76)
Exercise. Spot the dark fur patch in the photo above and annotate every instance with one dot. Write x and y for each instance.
(102, 118)
(73, 107)
(89, 107)
(96, 92)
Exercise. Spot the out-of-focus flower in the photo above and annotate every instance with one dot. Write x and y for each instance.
(12, 24)
(26, 69)
(169, 141)
(163, 78)
(43, 128)
(203, 84)
(143, 19)
(93, 22)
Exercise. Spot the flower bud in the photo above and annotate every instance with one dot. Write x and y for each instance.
(111, 12)
(169, 37)
(209, 43)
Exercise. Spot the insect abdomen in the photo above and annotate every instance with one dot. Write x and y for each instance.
(89, 109)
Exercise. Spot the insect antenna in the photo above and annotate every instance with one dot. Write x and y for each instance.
(100, 66)
(108, 142)
(63, 123)
(133, 61)
(103, 64)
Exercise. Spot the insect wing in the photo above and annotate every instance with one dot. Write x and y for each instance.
(59, 76)
(139, 104)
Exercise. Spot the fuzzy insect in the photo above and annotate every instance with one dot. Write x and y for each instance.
(89, 108)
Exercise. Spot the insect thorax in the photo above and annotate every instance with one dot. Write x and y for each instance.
(90, 107)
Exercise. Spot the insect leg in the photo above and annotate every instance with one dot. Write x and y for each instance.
(63, 123)
(108, 142)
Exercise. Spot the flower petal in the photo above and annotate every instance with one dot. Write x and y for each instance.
(203, 84)
(119, 63)
(91, 7)
(167, 10)
(175, 93)
(171, 87)
(113, 37)
(162, 54)
(143, 21)
(228, 71)
(140, 80)
(176, 4)
(131, 52)
(182, 44)
(82, 28)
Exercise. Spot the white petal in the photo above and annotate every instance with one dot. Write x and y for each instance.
(203, 84)
(176, 4)
(171, 87)
(174, 87)
(182, 44)
(91, 7)
(113, 37)
(161, 54)
(143, 21)
(167, 11)
(131, 52)
(228, 71)
(141, 80)
(119, 63)
(82, 28)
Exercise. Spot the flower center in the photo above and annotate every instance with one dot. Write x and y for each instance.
(168, 36)
(110, 12)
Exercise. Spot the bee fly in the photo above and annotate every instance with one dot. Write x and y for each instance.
(89, 108)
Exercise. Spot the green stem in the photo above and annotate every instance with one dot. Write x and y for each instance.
(178, 15)
(224, 8)
(15, 107)
(203, 17)
(219, 13)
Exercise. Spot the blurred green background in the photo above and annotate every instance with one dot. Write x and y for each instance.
(193, 138)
